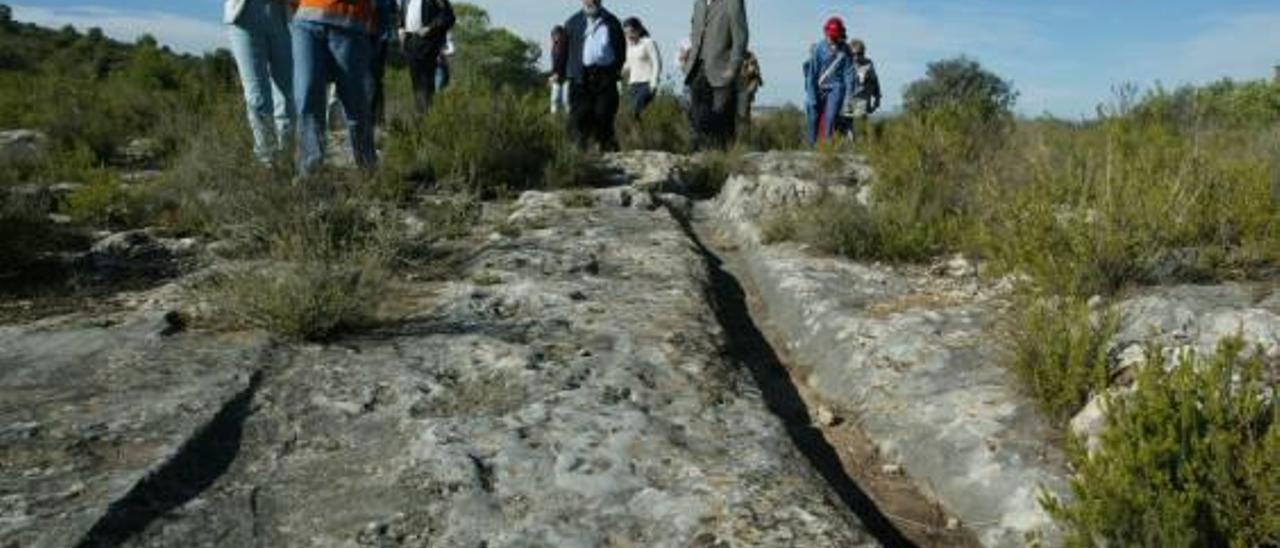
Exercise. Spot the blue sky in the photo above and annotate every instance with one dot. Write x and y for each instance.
(1064, 57)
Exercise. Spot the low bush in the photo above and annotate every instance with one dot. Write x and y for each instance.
(840, 225)
(24, 231)
(479, 140)
(710, 170)
(664, 126)
(1060, 352)
(315, 255)
(778, 129)
(1091, 209)
(324, 268)
(1188, 459)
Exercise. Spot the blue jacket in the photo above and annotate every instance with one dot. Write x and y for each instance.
(843, 75)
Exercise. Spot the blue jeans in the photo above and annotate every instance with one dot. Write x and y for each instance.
(824, 116)
(444, 75)
(323, 52)
(559, 97)
(263, 52)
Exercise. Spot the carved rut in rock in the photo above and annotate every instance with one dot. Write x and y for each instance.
(196, 466)
(749, 347)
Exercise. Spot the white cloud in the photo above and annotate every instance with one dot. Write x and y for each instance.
(187, 34)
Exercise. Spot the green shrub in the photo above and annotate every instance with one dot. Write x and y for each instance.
(710, 170)
(840, 225)
(1188, 459)
(479, 140)
(961, 82)
(321, 277)
(663, 127)
(316, 254)
(780, 129)
(1090, 209)
(107, 202)
(1060, 352)
(24, 232)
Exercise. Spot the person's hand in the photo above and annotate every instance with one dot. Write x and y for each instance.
(402, 34)
(730, 74)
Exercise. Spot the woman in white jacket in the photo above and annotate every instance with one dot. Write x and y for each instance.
(643, 67)
(260, 42)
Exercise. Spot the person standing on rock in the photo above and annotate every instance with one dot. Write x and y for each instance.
(718, 39)
(559, 87)
(643, 67)
(864, 100)
(258, 31)
(592, 63)
(829, 77)
(388, 16)
(750, 80)
(425, 26)
(331, 40)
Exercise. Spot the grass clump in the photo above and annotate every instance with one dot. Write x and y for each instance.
(710, 170)
(320, 272)
(1060, 352)
(1189, 459)
(664, 127)
(780, 129)
(312, 257)
(480, 141)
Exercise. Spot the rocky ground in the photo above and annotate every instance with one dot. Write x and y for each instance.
(579, 392)
(616, 367)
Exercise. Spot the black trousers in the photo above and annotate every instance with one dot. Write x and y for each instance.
(714, 111)
(379, 69)
(593, 108)
(423, 57)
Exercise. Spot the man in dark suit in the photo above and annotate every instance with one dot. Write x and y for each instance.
(592, 64)
(719, 47)
(424, 29)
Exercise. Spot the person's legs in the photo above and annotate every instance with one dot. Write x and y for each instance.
(813, 119)
(700, 108)
(745, 98)
(422, 72)
(831, 106)
(580, 112)
(249, 50)
(444, 75)
(310, 81)
(606, 113)
(557, 96)
(641, 96)
(352, 54)
(724, 114)
(280, 61)
(378, 68)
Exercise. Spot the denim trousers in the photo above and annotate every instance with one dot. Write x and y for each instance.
(559, 97)
(263, 52)
(825, 115)
(322, 53)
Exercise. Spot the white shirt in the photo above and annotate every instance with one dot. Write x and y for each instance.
(595, 48)
(644, 63)
(413, 16)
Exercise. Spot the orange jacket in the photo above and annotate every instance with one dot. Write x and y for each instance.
(354, 14)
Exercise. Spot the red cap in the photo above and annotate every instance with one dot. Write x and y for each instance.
(834, 29)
